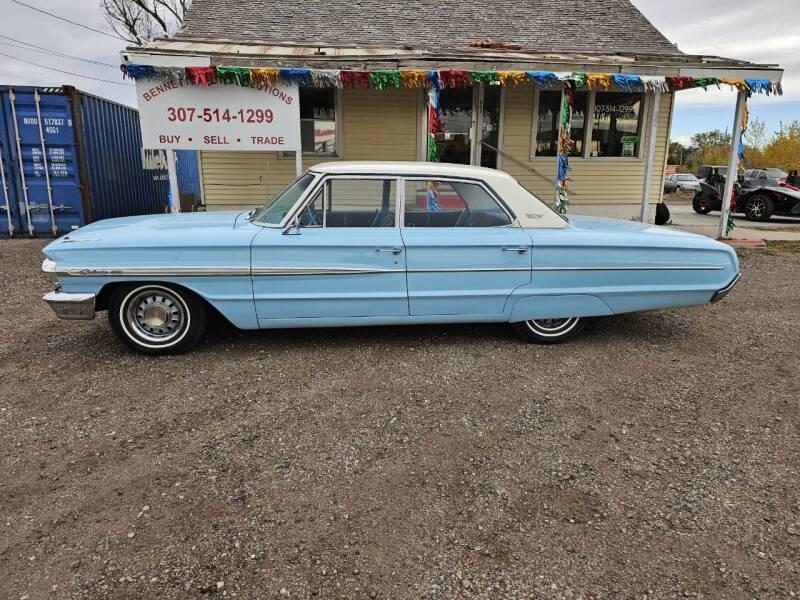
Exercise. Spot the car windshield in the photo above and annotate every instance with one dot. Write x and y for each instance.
(686, 177)
(273, 212)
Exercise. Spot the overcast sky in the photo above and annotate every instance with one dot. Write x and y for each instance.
(766, 31)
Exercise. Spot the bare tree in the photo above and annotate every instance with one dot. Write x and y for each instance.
(140, 21)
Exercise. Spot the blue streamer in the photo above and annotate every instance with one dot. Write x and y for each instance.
(543, 78)
(759, 86)
(296, 76)
(563, 167)
(433, 79)
(139, 71)
(433, 201)
(628, 83)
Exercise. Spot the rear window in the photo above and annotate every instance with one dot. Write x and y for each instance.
(776, 173)
(686, 177)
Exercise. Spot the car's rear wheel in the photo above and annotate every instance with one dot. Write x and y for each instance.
(549, 331)
(758, 208)
(156, 318)
(701, 205)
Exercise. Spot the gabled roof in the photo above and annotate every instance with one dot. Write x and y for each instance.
(543, 25)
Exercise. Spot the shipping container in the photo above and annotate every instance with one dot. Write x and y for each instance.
(68, 158)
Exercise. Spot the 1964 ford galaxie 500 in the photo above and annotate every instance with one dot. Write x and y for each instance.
(378, 243)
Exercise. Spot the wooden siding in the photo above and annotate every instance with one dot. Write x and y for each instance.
(594, 180)
(376, 125)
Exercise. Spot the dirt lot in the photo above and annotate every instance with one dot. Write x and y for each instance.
(657, 456)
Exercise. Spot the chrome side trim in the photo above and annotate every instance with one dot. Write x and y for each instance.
(636, 268)
(469, 270)
(151, 271)
(267, 271)
(71, 306)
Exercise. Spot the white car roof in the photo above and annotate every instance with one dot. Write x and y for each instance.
(529, 210)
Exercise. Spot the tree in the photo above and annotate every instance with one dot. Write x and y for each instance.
(139, 21)
(678, 153)
(712, 138)
(783, 150)
(756, 133)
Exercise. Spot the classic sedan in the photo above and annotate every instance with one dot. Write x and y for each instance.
(379, 243)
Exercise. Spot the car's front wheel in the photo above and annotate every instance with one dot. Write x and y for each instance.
(549, 331)
(157, 319)
(758, 208)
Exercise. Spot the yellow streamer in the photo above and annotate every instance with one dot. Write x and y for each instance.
(416, 79)
(511, 77)
(268, 77)
(598, 80)
(739, 84)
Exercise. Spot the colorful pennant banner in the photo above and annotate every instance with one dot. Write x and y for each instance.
(447, 78)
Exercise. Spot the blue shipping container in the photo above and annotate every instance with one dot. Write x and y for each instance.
(70, 158)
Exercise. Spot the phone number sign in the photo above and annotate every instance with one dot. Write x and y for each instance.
(182, 116)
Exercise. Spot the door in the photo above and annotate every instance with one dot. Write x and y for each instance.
(463, 112)
(463, 253)
(346, 259)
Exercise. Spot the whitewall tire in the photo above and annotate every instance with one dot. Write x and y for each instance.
(157, 318)
(549, 331)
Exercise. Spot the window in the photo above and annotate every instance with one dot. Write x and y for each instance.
(548, 115)
(275, 210)
(353, 203)
(442, 203)
(616, 124)
(318, 121)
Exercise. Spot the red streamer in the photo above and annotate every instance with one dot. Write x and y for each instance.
(201, 75)
(455, 79)
(680, 83)
(355, 79)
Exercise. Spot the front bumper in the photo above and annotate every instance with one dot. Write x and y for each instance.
(720, 294)
(71, 306)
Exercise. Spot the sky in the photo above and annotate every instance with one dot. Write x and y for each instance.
(766, 31)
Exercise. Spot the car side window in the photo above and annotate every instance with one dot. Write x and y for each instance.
(313, 214)
(443, 203)
(345, 202)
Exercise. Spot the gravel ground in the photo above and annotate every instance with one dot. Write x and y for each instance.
(657, 456)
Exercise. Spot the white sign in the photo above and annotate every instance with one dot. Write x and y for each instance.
(182, 116)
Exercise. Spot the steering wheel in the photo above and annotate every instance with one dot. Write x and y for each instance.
(462, 218)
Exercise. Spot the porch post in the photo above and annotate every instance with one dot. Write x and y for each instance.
(733, 163)
(558, 148)
(174, 189)
(298, 162)
(651, 154)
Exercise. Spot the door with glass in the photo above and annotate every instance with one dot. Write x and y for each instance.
(470, 124)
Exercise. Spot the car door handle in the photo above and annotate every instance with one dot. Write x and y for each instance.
(392, 250)
(520, 249)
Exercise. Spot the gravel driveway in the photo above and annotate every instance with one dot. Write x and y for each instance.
(656, 456)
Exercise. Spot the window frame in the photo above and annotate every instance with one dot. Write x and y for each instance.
(644, 119)
(337, 124)
(400, 195)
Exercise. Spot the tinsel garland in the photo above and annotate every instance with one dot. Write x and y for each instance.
(434, 123)
(138, 71)
(380, 80)
(564, 146)
(326, 78)
(453, 78)
(266, 77)
(355, 79)
(508, 78)
(628, 83)
(598, 80)
(448, 78)
(296, 76)
(654, 84)
(433, 149)
(234, 75)
(706, 82)
(484, 77)
(544, 79)
(201, 75)
(680, 82)
(414, 79)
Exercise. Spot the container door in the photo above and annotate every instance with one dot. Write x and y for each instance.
(9, 213)
(43, 164)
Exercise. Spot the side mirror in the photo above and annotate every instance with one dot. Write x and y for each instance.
(293, 228)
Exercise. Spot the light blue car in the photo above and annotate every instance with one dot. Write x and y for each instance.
(379, 243)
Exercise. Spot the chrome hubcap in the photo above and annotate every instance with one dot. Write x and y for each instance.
(156, 315)
(553, 327)
(757, 207)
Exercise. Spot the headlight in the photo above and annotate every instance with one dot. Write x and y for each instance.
(49, 268)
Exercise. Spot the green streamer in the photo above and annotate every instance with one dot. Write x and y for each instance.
(706, 82)
(433, 149)
(484, 77)
(381, 80)
(729, 224)
(237, 75)
(579, 80)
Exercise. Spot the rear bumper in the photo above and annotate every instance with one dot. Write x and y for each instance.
(720, 294)
(71, 306)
